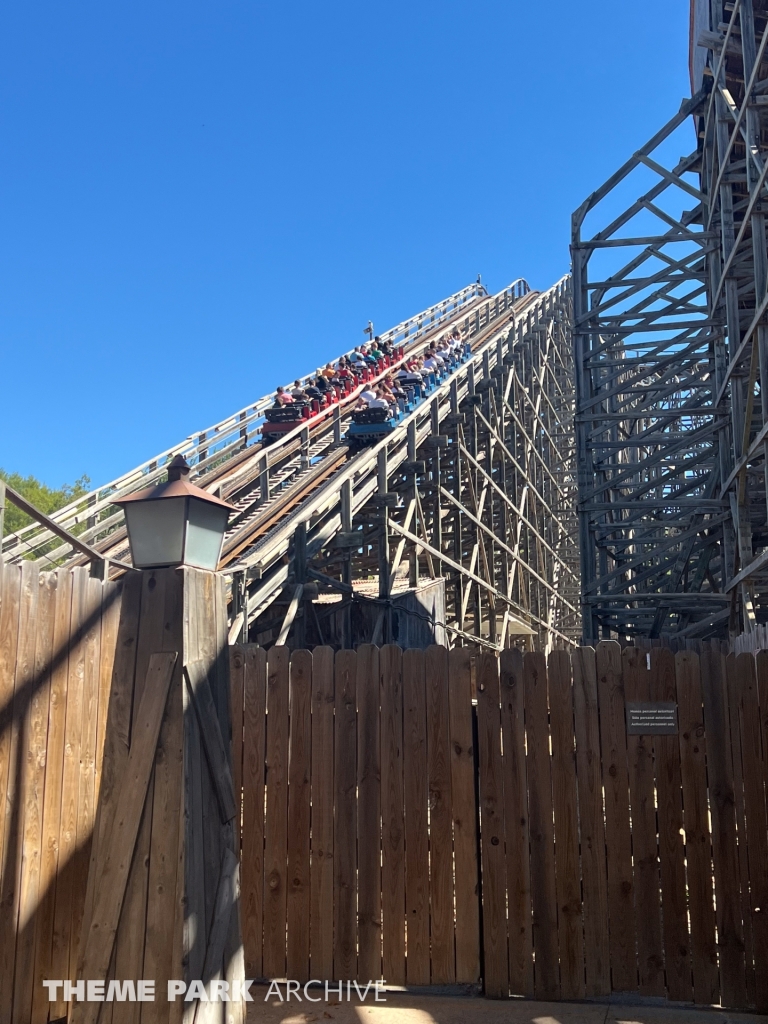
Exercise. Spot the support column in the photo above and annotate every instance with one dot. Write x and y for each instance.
(163, 888)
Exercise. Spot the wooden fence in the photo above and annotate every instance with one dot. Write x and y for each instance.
(391, 828)
(58, 633)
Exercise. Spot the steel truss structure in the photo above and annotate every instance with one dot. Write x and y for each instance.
(475, 488)
(671, 351)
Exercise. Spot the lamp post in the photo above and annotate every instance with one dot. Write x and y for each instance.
(164, 871)
(175, 523)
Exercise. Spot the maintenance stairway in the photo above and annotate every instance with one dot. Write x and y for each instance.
(473, 492)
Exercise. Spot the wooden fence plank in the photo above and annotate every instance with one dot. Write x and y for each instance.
(116, 748)
(520, 925)
(86, 797)
(754, 807)
(697, 837)
(254, 748)
(216, 750)
(201, 595)
(237, 691)
(16, 719)
(167, 812)
(677, 946)
(392, 815)
(496, 970)
(114, 866)
(129, 948)
(593, 869)
(613, 741)
(440, 826)
(645, 854)
(299, 765)
(730, 934)
(416, 828)
(464, 808)
(36, 681)
(734, 734)
(568, 873)
(276, 826)
(10, 752)
(321, 888)
(540, 811)
(345, 818)
(54, 765)
(368, 814)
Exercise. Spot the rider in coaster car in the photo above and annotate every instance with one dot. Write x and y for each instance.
(321, 382)
(366, 397)
(282, 397)
(298, 392)
(329, 373)
(380, 400)
(431, 364)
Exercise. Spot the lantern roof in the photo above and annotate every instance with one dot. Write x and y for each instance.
(176, 486)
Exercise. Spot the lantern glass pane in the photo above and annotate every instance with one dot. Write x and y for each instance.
(156, 532)
(205, 533)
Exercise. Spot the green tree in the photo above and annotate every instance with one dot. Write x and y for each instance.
(47, 499)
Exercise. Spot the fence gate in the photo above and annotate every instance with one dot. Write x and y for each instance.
(557, 855)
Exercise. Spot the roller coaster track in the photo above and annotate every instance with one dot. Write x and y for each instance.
(473, 488)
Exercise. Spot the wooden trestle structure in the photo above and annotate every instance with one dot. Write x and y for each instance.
(671, 346)
(472, 497)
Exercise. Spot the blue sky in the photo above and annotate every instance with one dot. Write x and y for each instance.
(199, 201)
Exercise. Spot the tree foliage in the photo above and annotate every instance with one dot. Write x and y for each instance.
(47, 499)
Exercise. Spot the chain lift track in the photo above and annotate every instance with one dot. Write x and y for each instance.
(476, 486)
(671, 350)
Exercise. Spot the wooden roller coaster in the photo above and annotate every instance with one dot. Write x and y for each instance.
(470, 496)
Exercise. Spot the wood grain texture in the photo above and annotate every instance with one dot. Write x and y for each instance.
(368, 813)
(591, 823)
(167, 810)
(237, 684)
(300, 759)
(54, 764)
(516, 826)
(565, 802)
(757, 824)
(118, 854)
(496, 978)
(254, 757)
(276, 825)
(321, 879)
(36, 681)
(416, 827)
(730, 933)
(392, 815)
(645, 853)
(345, 818)
(677, 945)
(706, 988)
(464, 811)
(540, 810)
(10, 577)
(613, 741)
(734, 734)
(129, 948)
(440, 823)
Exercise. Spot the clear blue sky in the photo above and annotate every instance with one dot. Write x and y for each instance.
(201, 200)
